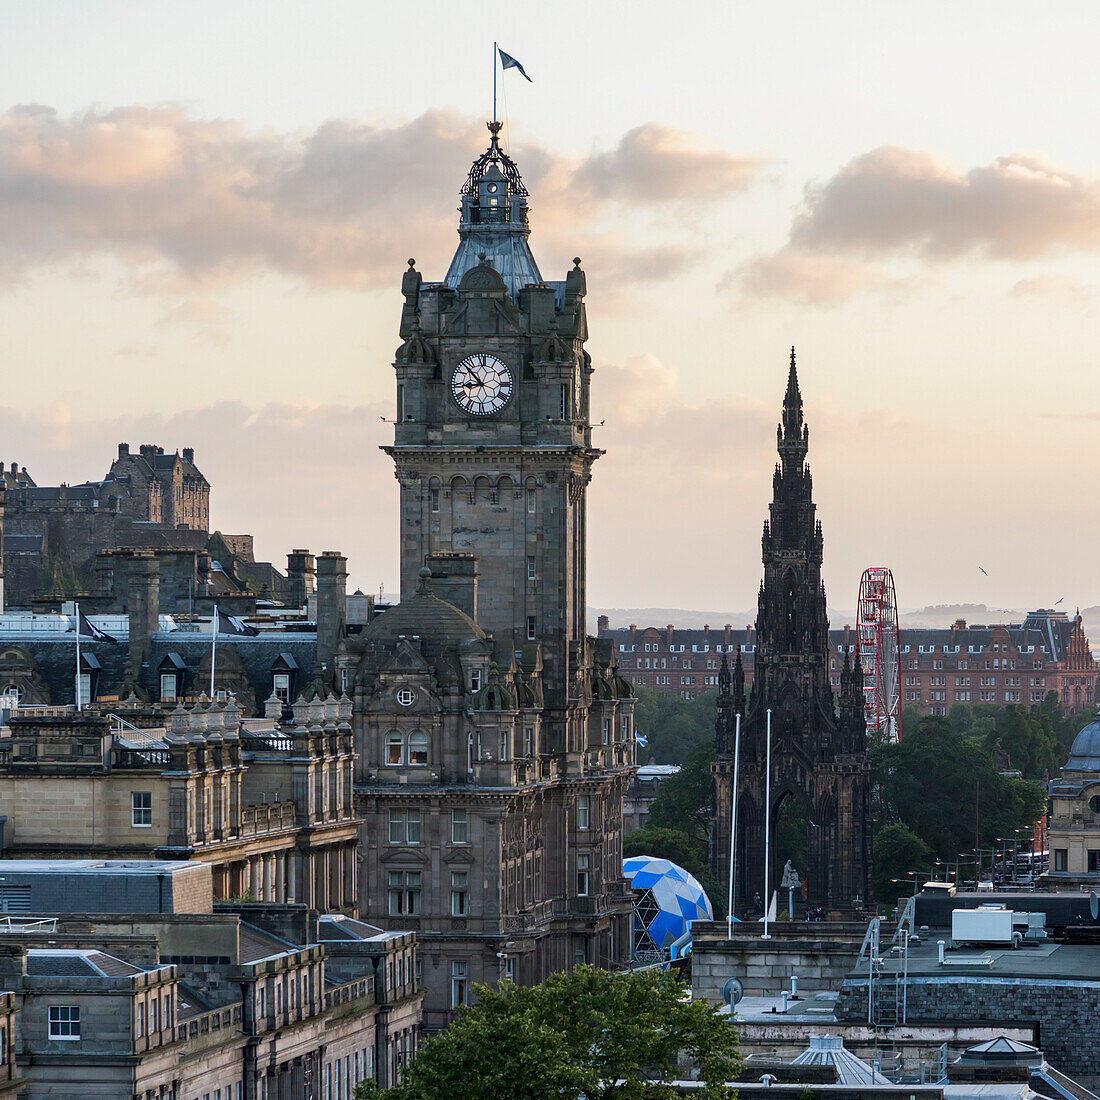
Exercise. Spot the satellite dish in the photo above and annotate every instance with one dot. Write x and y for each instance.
(1094, 905)
(732, 992)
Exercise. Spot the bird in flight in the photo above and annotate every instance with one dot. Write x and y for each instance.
(1059, 600)
(984, 573)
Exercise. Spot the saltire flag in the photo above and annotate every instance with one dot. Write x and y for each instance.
(231, 624)
(86, 629)
(507, 61)
(639, 739)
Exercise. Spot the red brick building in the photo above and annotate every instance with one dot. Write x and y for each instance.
(997, 664)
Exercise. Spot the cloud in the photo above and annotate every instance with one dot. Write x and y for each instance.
(894, 202)
(1062, 290)
(184, 200)
(208, 317)
(1019, 207)
(656, 164)
(795, 274)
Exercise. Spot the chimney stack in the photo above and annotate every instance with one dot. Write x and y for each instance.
(332, 599)
(301, 567)
(142, 606)
(454, 579)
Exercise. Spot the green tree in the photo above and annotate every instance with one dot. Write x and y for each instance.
(897, 850)
(1028, 738)
(679, 819)
(673, 726)
(585, 1035)
(684, 800)
(944, 787)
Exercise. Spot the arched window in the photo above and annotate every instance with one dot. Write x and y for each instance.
(9, 697)
(418, 749)
(395, 749)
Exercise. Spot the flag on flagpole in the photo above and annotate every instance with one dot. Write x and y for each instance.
(85, 629)
(233, 624)
(507, 61)
(643, 741)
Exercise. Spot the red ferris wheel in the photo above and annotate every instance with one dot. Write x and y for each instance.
(879, 652)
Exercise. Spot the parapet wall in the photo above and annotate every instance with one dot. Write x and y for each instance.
(1065, 1010)
(820, 953)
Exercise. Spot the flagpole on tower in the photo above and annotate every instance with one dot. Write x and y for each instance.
(494, 82)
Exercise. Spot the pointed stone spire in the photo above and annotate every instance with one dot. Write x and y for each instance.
(738, 684)
(793, 437)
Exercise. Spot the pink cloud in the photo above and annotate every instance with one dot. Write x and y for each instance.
(183, 199)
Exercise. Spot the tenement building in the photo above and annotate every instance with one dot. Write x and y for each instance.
(818, 750)
(997, 664)
(122, 979)
(494, 738)
(267, 803)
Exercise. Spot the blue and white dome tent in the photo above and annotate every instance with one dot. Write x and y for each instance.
(666, 900)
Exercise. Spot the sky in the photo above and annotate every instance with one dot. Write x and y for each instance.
(205, 210)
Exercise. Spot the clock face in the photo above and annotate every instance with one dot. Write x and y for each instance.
(481, 384)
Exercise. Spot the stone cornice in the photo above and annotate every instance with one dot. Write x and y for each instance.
(492, 452)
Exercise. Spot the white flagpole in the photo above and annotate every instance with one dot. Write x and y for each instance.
(213, 649)
(495, 55)
(767, 825)
(733, 821)
(79, 700)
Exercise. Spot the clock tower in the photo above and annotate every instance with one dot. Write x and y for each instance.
(494, 738)
(492, 441)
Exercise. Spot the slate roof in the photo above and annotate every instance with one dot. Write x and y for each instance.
(426, 616)
(55, 659)
(333, 926)
(256, 944)
(1038, 630)
(48, 963)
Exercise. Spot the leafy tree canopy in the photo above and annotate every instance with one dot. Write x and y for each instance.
(673, 726)
(585, 1035)
(897, 850)
(943, 786)
(672, 844)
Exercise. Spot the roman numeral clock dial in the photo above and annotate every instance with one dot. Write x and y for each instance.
(481, 384)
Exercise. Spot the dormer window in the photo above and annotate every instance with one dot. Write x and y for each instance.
(281, 686)
(405, 697)
(475, 679)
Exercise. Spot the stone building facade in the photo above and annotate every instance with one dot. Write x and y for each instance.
(268, 804)
(254, 1001)
(494, 738)
(818, 741)
(1073, 831)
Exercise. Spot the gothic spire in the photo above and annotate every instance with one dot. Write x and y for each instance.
(792, 435)
(738, 685)
(792, 403)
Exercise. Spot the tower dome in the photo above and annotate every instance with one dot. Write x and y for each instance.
(1084, 756)
(493, 221)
